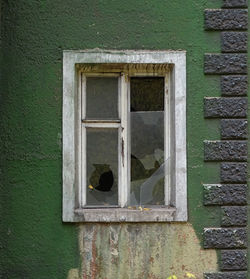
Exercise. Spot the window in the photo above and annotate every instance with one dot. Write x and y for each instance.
(124, 136)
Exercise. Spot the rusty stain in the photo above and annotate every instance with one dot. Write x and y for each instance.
(151, 260)
(93, 263)
(132, 251)
(122, 152)
(152, 276)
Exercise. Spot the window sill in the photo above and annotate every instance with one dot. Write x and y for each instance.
(107, 215)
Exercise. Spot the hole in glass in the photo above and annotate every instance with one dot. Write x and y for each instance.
(102, 166)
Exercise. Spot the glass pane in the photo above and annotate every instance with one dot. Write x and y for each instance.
(102, 167)
(102, 98)
(147, 141)
(147, 94)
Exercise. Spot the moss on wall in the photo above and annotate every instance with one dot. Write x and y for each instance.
(34, 241)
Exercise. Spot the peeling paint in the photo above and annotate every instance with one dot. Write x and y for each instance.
(143, 251)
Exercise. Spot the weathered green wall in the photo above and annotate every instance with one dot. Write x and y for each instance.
(34, 241)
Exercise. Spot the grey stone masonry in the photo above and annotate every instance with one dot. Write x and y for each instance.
(225, 194)
(225, 107)
(234, 42)
(234, 260)
(233, 128)
(225, 63)
(226, 275)
(225, 238)
(231, 150)
(233, 172)
(225, 150)
(233, 216)
(234, 3)
(224, 19)
(234, 85)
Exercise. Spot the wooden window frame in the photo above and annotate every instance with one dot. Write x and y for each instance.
(79, 64)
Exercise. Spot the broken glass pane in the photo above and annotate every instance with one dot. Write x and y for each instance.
(102, 167)
(147, 141)
(102, 98)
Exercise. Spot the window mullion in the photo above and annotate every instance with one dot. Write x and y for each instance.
(84, 167)
(167, 139)
(83, 163)
(124, 183)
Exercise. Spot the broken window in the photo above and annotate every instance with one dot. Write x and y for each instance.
(124, 139)
(104, 96)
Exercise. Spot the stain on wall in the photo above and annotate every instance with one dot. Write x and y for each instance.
(157, 251)
(73, 274)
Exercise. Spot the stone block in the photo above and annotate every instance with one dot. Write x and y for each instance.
(233, 128)
(234, 85)
(234, 42)
(234, 4)
(225, 150)
(226, 275)
(234, 260)
(225, 63)
(225, 194)
(233, 216)
(225, 107)
(233, 172)
(225, 238)
(224, 19)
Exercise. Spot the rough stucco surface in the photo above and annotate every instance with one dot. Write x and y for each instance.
(34, 241)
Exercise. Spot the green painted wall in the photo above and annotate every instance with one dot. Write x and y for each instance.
(34, 241)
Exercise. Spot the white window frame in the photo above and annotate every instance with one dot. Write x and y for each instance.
(175, 137)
